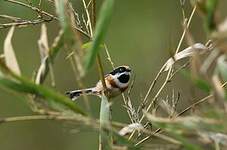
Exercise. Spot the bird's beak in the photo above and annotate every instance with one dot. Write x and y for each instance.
(128, 70)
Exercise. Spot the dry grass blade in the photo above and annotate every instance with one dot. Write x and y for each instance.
(217, 138)
(44, 67)
(222, 27)
(196, 48)
(159, 130)
(44, 51)
(130, 128)
(222, 66)
(219, 91)
(221, 30)
(168, 76)
(88, 19)
(11, 18)
(209, 61)
(44, 55)
(167, 108)
(184, 121)
(10, 57)
(43, 42)
(41, 72)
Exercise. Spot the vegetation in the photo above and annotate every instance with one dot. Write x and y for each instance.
(155, 120)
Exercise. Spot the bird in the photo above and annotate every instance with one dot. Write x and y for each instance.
(117, 81)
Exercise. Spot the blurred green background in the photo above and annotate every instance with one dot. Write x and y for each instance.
(142, 35)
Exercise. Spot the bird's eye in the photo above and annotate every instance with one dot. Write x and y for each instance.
(118, 70)
(121, 69)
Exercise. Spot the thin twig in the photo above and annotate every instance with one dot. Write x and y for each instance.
(59, 117)
(75, 71)
(177, 49)
(153, 84)
(168, 74)
(24, 23)
(108, 56)
(179, 69)
(162, 137)
(40, 13)
(33, 8)
(12, 18)
(88, 19)
(184, 111)
(161, 70)
(77, 53)
(80, 119)
(158, 93)
(185, 29)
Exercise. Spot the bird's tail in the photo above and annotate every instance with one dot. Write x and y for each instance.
(77, 93)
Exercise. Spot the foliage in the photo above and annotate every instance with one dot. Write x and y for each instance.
(84, 40)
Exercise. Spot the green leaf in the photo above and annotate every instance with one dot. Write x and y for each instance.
(14, 85)
(89, 44)
(100, 31)
(200, 83)
(211, 6)
(105, 135)
(66, 18)
(105, 112)
(60, 10)
(19, 84)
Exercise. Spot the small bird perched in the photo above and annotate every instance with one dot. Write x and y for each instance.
(117, 81)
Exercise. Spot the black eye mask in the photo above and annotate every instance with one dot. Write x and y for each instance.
(124, 78)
